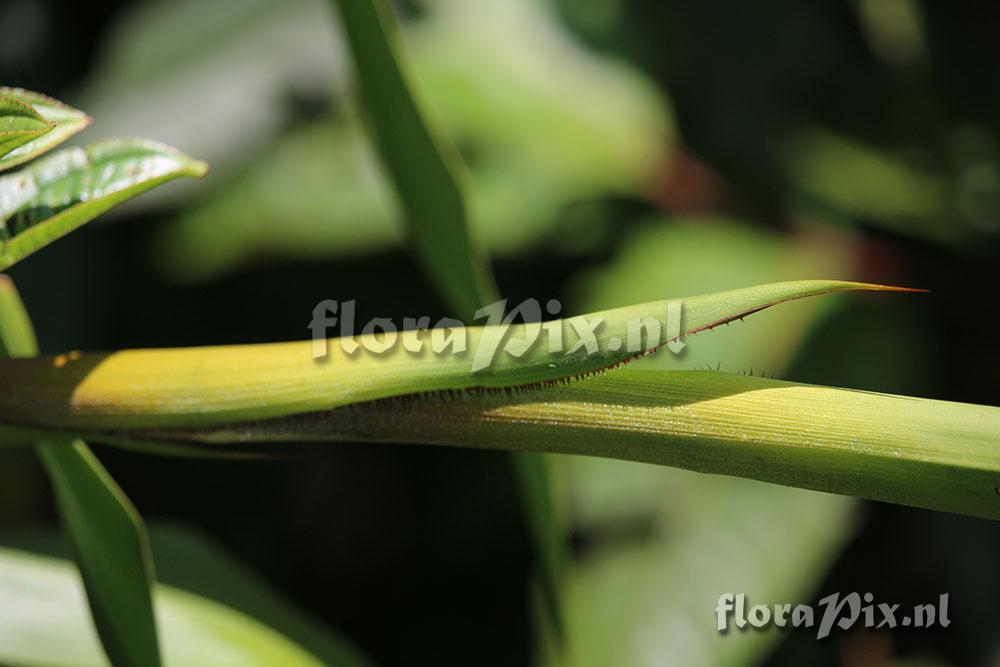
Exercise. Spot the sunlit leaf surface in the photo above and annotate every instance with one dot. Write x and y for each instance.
(57, 194)
(189, 387)
(44, 623)
(19, 124)
(60, 122)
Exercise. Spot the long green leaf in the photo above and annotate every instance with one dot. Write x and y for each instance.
(24, 139)
(925, 453)
(192, 387)
(52, 197)
(43, 623)
(109, 537)
(421, 164)
(920, 452)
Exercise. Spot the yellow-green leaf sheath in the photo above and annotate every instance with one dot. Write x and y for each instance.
(205, 386)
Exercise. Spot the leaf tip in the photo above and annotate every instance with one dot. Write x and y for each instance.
(198, 168)
(896, 288)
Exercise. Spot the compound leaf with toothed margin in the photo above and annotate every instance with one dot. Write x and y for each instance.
(32, 124)
(55, 195)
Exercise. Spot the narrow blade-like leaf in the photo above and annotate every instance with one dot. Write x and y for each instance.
(912, 451)
(191, 387)
(60, 123)
(420, 162)
(108, 535)
(920, 452)
(52, 197)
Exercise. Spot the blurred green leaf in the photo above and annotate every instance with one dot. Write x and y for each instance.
(17, 335)
(189, 560)
(421, 164)
(162, 58)
(340, 204)
(589, 123)
(511, 107)
(112, 551)
(108, 535)
(870, 184)
(54, 196)
(59, 122)
(644, 600)
(44, 624)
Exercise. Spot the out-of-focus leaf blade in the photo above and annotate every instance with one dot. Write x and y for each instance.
(862, 182)
(58, 194)
(17, 335)
(191, 561)
(464, 61)
(643, 602)
(24, 139)
(108, 535)
(191, 387)
(162, 58)
(112, 551)
(43, 623)
(422, 166)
